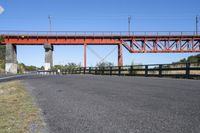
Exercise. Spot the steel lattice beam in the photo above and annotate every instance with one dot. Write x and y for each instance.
(133, 43)
(162, 44)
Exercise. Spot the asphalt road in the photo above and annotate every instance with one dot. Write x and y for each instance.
(10, 77)
(103, 104)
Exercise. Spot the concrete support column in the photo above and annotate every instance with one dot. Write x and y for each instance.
(120, 57)
(48, 56)
(11, 59)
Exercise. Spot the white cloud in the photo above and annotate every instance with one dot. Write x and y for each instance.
(1, 9)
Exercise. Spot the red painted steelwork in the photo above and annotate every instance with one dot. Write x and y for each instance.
(162, 44)
(133, 43)
(120, 57)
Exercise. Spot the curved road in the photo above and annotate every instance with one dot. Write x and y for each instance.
(103, 104)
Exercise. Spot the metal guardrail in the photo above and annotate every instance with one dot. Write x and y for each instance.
(180, 70)
(99, 33)
(47, 72)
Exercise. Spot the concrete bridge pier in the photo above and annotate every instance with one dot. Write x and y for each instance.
(11, 59)
(48, 56)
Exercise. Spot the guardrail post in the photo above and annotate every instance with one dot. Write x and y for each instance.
(72, 70)
(80, 70)
(110, 70)
(84, 70)
(160, 70)
(146, 70)
(119, 70)
(89, 70)
(131, 71)
(95, 70)
(76, 70)
(102, 71)
(187, 70)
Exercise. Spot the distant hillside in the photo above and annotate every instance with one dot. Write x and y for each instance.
(191, 59)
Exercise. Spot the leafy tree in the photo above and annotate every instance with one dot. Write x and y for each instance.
(42, 68)
(1, 39)
(58, 67)
(2, 58)
(183, 61)
(31, 68)
(194, 58)
(21, 68)
(104, 64)
(191, 59)
(71, 66)
(2, 51)
(68, 66)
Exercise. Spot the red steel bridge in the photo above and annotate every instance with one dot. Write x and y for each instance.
(134, 42)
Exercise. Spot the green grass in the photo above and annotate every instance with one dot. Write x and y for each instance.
(17, 110)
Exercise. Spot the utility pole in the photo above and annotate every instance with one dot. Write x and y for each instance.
(129, 25)
(49, 17)
(197, 23)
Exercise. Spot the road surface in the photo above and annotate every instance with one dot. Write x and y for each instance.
(103, 104)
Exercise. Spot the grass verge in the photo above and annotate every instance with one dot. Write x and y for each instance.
(18, 113)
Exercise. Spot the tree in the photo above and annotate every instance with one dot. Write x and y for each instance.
(195, 58)
(20, 68)
(1, 39)
(104, 64)
(68, 66)
(183, 61)
(191, 59)
(2, 58)
(56, 67)
(42, 67)
(71, 66)
(2, 51)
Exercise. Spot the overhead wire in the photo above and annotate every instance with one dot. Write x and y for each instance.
(100, 58)
(109, 54)
(95, 53)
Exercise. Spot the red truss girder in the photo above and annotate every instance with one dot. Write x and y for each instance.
(61, 41)
(162, 45)
(134, 44)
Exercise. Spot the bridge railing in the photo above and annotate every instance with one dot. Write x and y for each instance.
(99, 33)
(177, 70)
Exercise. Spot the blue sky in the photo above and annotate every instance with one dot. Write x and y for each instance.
(97, 15)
